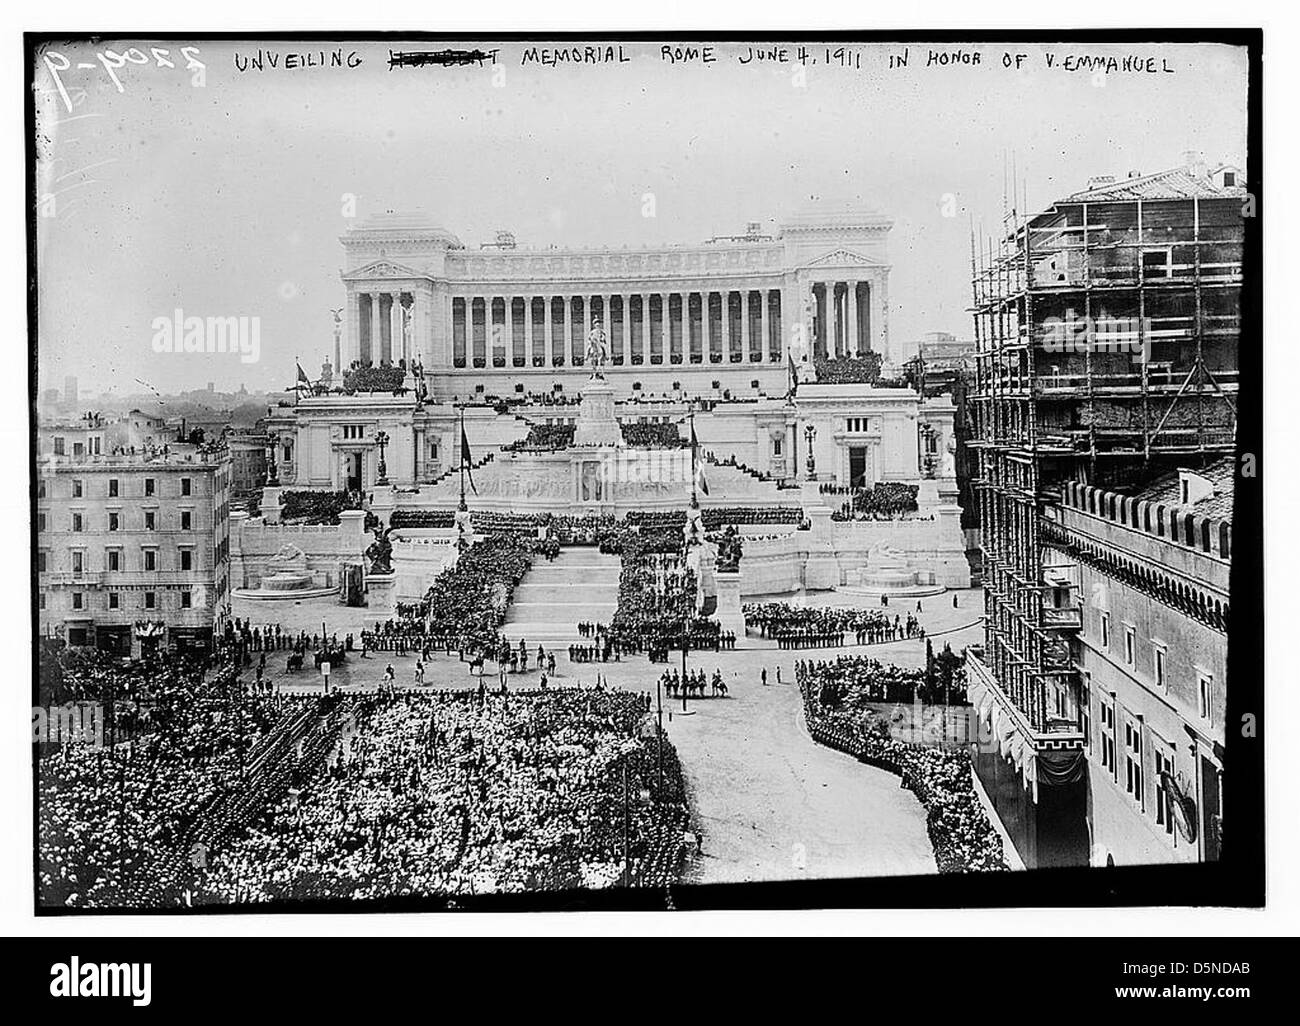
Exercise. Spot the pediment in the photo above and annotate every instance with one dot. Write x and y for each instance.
(383, 269)
(844, 258)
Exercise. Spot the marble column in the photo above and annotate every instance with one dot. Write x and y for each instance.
(566, 335)
(726, 326)
(374, 328)
(706, 341)
(854, 342)
(645, 327)
(666, 324)
(765, 323)
(744, 324)
(874, 317)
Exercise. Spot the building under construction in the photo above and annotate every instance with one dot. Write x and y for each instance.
(1106, 332)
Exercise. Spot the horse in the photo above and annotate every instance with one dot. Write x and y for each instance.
(476, 661)
(294, 663)
(720, 688)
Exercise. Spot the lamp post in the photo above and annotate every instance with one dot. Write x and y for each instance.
(381, 440)
(810, 435)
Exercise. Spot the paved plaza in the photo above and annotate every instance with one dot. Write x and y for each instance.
(769, 803)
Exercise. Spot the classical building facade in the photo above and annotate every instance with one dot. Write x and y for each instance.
(132, 549)
(499, 317)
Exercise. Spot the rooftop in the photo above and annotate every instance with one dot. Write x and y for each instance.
(1192, 180)
(1166, 490)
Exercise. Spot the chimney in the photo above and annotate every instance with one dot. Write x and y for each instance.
(1100, 181)
(1194, 162)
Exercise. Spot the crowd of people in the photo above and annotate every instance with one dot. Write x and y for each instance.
(652, 435)
(656, 608)
(885, 500)
(797, 627)
(316, 507)
(452, 794)
(117, 817)
(851, 682)
(543, 438)
(959, 829)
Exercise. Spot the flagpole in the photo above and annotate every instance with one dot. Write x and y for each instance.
(694, 445)
(297, 392)
(462, 457)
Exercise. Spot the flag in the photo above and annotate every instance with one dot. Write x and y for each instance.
(302, 374)
(466, 460)
(699, 476)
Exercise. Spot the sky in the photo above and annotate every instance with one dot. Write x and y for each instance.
(223, 192)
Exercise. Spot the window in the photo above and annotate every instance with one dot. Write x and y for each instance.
(1130, 641)
(1105, 630)
(187, 486)
(42, 561)
(351, 432)
(1205, 696)
(187, 559)
(187, 519)
(1229, 179)
(1133, 760)
(78, 562)
(113, 600)
(58, 446)
(149, 600)
(115, 521)
(776, 446)
(40, 521)
(149, 485)
(40, 488)
(1108, 737)
(150, 519)
(76, 600)
(151, 559)
(112, 488)
(76, 522)
(114, 558)
(1164, 806)
(78, 490)
(1159, 663)
(185, 600)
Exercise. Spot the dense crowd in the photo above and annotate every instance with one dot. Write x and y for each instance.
(543, 438)
(849, 682)
(316, 507)
(652, 435)
(656, 607)
(117, 821)
(828, 627)
(885, 500)
(960, 832)
(460, 793)
(848, 370)
(716, 517)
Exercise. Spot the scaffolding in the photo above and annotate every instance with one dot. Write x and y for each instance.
(1106, 332)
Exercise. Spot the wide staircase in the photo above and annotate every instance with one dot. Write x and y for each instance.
(548, 604)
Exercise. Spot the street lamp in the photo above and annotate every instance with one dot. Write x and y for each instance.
(810, 434)
(381, 440)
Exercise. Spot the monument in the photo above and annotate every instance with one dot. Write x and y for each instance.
(596, 424)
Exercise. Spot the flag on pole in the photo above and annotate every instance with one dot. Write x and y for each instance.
(466, 460)
(700, 478)
(302, 374)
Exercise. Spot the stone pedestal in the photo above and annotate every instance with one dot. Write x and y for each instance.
(271, 504)
(729, 614)
(381, 598)
(822, 567)
(596, 423)
(383, 501)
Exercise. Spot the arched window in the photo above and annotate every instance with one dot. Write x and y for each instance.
(1225, 540)
(1189, 530)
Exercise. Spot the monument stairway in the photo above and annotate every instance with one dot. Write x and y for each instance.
(581, 584)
